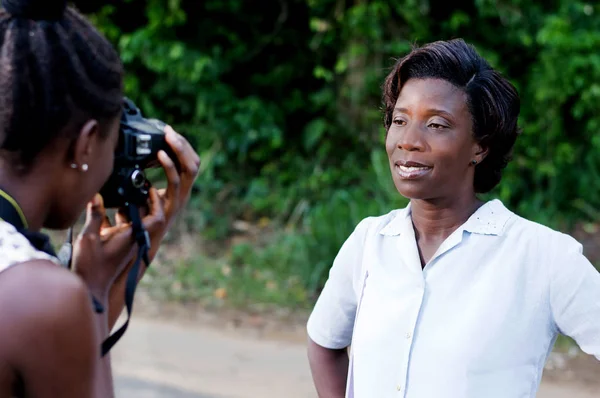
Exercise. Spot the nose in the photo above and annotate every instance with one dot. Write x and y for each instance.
(411, 139)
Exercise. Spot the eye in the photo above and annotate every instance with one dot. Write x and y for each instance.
(437, 126)
(399, 122)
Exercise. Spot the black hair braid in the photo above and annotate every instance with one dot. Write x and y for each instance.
(90, 69)
(24, 123)
(38, 10)
(56, 71)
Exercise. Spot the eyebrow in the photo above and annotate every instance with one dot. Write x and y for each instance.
(430, 111)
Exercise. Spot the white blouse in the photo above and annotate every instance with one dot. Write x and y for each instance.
(15, 248)
(479, 320)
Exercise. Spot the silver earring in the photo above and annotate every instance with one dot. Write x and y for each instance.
(84, 167)
(473, 162)
(74, 166)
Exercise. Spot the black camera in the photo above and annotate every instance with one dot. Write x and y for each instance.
(140, 140)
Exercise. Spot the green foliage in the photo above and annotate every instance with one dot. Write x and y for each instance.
(282, 101)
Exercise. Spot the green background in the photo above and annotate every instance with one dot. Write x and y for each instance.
(282, 101)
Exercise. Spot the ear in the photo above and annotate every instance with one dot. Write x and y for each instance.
(85, 143)
(479, 153)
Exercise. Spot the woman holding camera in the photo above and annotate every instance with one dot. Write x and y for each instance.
(452, 296)
(61, 94)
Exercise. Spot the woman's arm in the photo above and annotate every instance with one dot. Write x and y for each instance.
(331, 323)
(103, 378)
(329, 370)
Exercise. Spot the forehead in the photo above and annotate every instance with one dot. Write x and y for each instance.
(432, 93)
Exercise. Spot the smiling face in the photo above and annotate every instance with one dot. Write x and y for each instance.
(430, 142)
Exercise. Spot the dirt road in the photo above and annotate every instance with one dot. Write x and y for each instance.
(173, 360)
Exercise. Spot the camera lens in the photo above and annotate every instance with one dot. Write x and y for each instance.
(138, 178)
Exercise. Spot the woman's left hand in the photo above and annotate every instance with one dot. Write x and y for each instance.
(100, 254)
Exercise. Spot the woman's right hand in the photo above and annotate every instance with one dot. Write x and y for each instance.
(179, 187)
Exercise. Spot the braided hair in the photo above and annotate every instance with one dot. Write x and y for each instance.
(56, 72)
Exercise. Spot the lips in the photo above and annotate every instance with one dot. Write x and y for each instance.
(411, 170)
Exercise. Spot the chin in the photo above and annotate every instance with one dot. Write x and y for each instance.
(56, 223)
(410, 190)
(60, 220)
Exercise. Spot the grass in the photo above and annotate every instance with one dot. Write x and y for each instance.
(564, 343)
(244, 276)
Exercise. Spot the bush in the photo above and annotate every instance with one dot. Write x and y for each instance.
(283, 104)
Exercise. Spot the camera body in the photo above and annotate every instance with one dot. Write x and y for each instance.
(140, 140)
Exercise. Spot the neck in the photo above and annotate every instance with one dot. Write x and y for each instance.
(30, 191)
(437, 219)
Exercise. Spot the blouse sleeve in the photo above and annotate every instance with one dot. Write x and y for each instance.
(575, 296)
(331, 322)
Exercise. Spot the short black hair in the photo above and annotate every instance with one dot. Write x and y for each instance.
(492, 100)
(56, 72)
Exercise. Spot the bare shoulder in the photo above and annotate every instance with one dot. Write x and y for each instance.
(45, 309)
(36, 287)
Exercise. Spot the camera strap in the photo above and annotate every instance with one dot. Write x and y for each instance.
(143, 240)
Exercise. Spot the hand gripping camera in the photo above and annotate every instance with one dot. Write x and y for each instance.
(140, 139)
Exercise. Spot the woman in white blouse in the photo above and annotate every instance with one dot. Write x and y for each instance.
(449, 297)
